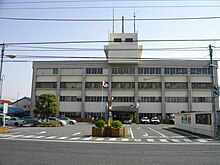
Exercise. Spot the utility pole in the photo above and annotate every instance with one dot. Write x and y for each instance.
(212, 66)
(1, 77)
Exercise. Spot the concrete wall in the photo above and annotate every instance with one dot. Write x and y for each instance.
(187, 121)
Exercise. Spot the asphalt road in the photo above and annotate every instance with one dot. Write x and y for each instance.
(21, 152)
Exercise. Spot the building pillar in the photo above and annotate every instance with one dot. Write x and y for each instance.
(58, 89)
(136, 104)
(189, 83)
(33, 92)
(163, 104)
(83, 93)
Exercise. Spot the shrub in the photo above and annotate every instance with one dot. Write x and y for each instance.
(100, 123)
(46, 124)
(116, 124)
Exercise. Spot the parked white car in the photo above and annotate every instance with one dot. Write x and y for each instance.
(145, 120)
(15, 121)
(62, 122)
(155, 120)
(68, 120)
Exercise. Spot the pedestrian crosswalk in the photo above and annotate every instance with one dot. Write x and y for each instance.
(104, 139)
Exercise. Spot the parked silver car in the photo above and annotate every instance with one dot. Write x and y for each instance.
(62, 122)
(68, 120)
(15, 121)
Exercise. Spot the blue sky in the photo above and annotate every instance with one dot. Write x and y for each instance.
(18, 75)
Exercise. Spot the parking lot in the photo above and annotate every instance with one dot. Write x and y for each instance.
(82, 132)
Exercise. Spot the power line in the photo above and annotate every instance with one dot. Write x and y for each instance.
(106, 7)
(104, 41)
(86, 1)
(106, 20)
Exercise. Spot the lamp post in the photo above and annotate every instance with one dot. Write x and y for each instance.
(2, 59)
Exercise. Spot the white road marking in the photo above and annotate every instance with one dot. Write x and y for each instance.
(88, 138)
(42, 132)
(112, 139)
(187, 140)
(202, 140)
(78, 133)
(15, 136)
(99, 139)
(175, 140)
(164, 140)
(75, 138)
(137, 140)
(38, 137)
(145, 135)
(61, 138)
(150, 140)
(51, 137)
(125, 139)
(157, 132)
(29, 136)
(132, 135)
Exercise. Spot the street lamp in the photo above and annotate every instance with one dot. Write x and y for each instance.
(2, 59)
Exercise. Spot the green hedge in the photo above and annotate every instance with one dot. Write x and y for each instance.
(100, 123)
(47, 124)
(116, 124)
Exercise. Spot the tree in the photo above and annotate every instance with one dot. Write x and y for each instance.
(46, 105)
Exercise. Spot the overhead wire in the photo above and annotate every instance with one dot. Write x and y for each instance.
(105, 19)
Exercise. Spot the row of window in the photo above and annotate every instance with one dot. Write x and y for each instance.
(125, 85)
(131, 99)
(78, 71)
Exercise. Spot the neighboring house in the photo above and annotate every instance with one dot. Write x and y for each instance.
(23, 103)
(6, 101)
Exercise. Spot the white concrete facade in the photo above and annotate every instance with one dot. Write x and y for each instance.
(140, 87)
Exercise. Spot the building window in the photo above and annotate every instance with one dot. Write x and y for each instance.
(47, 71)
(123, 85)
(128, 39)
(201, 99)
(201, 86)
(149, 85)
(150, 99)
(204, 71)
(70, 85)
(70, 99)
(203, 119)
(96, 99)
(123, 99)
(176, 85)
(175, 70)
(149, 70)
(176, 99)
(94, 71)
(68, 71)
(71, 114)
(117, 39)
(93, 85)
(123, 70)
(46, 84)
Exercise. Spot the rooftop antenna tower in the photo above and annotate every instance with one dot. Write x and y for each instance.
(122, 24)
(134, 22)
(113, 26)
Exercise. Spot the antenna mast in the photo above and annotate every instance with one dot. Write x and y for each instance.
(122, 24)
(134, 22)
(113, 26)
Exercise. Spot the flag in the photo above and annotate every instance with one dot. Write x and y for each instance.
(104, 84)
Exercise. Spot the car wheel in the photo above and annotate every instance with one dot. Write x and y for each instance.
(16, 124)
(71, 122)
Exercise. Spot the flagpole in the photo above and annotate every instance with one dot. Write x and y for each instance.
(102, 97)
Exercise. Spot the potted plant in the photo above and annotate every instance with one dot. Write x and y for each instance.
(117, 130)
(99, 129)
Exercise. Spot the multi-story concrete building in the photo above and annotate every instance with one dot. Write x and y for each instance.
(139, 87)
